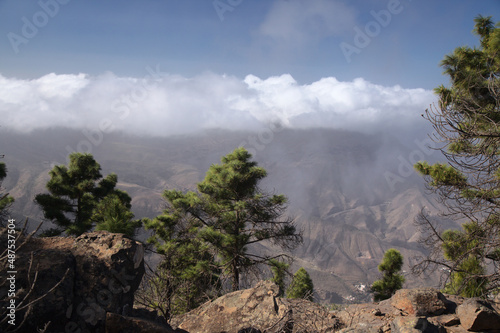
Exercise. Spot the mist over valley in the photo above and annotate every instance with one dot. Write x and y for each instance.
(353, 194)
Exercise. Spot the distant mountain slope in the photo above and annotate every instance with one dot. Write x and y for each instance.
(339, 187)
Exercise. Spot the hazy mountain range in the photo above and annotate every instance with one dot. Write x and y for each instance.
(353, 194)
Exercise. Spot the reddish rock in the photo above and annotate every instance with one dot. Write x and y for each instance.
(420, 301)
(446, 320)
(477, 315)
(256, 308)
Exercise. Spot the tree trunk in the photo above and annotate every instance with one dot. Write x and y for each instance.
(236, 275)
(236, 249)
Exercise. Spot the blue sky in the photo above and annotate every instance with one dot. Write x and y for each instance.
(259, 37)
(311, 62)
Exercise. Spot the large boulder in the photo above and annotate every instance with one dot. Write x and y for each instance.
(255, 309)
(75, 281)
(477, 315)
(258, 310)
(419, 301)
(408, 311)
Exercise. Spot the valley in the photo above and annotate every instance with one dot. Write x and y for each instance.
(336, 181)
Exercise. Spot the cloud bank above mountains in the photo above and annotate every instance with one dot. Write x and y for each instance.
(163, 104)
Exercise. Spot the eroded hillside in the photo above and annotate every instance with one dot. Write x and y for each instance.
(353, 194)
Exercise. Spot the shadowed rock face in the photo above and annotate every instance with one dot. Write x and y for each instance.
(477, 315)
(97, 273)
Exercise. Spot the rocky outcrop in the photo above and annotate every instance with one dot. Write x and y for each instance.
(87, 284)
(411, 310)
(476, 315)
(256, 309)
(421, 310)
(419, 302)
(74, 281)
(309, 316)
(369, 317)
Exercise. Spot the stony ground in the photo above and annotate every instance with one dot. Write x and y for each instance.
(409, 310)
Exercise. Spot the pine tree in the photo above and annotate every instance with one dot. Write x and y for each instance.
(279, 270)
(230, 213)
(187, 274)
(74, 192)
(113, 214)
(301, 286)
(391, 280)
(466, 123)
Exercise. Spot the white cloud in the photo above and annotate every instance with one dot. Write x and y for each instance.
(299, 21)
(170, 104)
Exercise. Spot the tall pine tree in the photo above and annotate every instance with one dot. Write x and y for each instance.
(466, 122)
(187, 274)
(231, 213)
